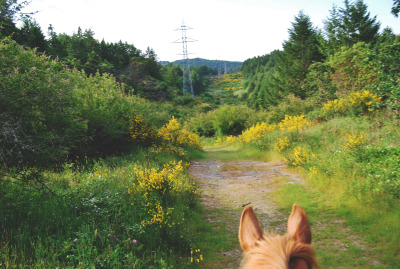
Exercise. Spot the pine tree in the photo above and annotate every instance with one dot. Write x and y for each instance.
(396, 8)
(30, 35)
(349, 25)
(300, 51)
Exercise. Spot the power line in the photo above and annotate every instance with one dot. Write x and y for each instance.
(187, 77)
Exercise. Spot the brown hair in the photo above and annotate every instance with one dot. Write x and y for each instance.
(292, 250)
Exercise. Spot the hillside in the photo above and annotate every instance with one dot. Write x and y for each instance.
(223, 67)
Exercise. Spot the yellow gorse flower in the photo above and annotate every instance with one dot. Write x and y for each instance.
(281, 144)
(355, 142)
(151, 183)
(172, 133)
(231, 139)
(301, 157)
(256, 131)
(364, 100)
(293, 123)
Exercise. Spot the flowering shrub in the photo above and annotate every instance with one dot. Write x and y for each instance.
(336, 106)
(231, 139)
(293, 123)
(172, 134)
(281, 144)
(301, 157)
(141, 130)
(359, 102)
(355, 143)
(256, 131)
(152, 188)
(364, 100)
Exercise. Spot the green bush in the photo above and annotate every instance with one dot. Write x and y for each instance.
(39, 122)
(202, 124)
(292, 106)
(49, 113)
(232, 120)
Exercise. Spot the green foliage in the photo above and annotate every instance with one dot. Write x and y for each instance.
(318, 83)
(31, 36)
(352, 72)
(202, 124)
(99, 217)
(349, 25)
(396, 8)
(292, 106)
(50, 113)
(261, 78)
(232, 120)
(39, 122)
(387, 58)
(300, 51)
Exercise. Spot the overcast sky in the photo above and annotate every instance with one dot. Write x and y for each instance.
(233, 30)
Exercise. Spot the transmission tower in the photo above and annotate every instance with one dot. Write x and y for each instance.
(187, 77)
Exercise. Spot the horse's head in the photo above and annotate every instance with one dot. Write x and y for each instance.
(292, 250)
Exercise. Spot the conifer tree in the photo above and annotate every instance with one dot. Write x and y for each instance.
(300, 51)
(396, 8)
(349, 25)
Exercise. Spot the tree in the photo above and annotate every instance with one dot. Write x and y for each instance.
(30, 35)
(9, 9)
(396, 8)
(151, 65)
(349, 25)
(300, 51)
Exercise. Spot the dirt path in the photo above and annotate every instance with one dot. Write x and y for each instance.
(229, 186)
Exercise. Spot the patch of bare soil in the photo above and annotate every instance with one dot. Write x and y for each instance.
(231, 186)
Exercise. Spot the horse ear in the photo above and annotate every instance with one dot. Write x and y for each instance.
(249, 230)
(298, 225)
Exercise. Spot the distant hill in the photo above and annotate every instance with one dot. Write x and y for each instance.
(222, 66)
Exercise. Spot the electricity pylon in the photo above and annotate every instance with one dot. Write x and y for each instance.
(187, 77)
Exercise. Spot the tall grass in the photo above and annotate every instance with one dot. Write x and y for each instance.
(93, 219)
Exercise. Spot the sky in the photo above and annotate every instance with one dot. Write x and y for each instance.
(232, 30)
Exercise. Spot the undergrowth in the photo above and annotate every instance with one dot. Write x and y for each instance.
(130, 211)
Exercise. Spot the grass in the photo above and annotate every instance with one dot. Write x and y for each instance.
(352, 186)
(95, 219)
(214, 237)
(337, 243)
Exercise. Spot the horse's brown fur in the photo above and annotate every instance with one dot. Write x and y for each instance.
(290, 251)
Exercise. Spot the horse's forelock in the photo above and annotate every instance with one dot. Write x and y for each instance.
(277, 252)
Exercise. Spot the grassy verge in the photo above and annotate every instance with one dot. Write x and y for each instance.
(122, 212)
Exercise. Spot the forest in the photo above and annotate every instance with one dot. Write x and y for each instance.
(96, 139)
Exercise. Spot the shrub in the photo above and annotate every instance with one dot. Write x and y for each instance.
(173, 139)
(232, 120)
(202, 124)
(293, 123)
(352, 72)
(292, 106)
(282, 143)
(141, 131)
(50, 113)
(39, 123)
(357, 103)
(256, 131)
